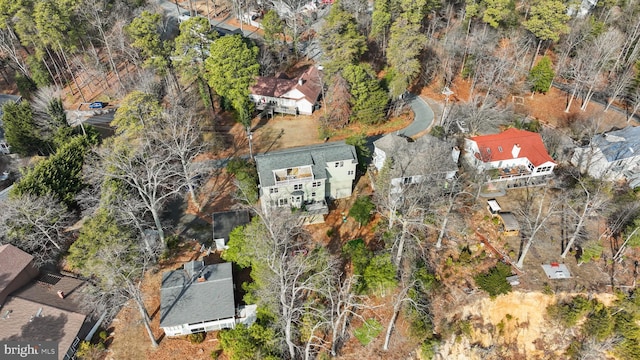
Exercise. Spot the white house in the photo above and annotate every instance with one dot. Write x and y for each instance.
(200, 298)
(304, 177)
(412, 161)
(289, 96)
(511, 156)
(612, 156)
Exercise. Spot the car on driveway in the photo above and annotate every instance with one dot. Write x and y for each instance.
(96, 105)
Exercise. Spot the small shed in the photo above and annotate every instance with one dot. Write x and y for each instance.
(493, 207)
(555, 270)
(511, 226)
(224, 223)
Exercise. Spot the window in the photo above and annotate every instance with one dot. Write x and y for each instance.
(283, 202)
(313, 194)
(406, 180)
(350, 172)
(273, 190)
(316, 184)
(339, 164)
(297, 187)
(544, 169)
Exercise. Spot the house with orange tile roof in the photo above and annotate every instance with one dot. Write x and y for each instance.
(289, 96)
(512, 156)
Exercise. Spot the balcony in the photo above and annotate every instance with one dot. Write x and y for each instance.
(509, 173)
(293, 175)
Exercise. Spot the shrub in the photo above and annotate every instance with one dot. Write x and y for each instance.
(599, 323)
(361, 210)
(428, 349)
(247, 176)
(465, 254)
(495, 281)
(380, 274)
(196, 338)
(571, 312)
(368, 331)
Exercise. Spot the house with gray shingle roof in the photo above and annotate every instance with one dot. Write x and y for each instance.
(614, 155)
(413, 161)
(197, 298)
(305, 177)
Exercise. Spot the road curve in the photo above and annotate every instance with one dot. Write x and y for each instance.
(423, 117)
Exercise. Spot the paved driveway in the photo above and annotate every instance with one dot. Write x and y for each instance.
(423, 116)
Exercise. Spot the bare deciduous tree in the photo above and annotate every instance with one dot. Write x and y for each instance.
(151, 173)
(589, 197)
(36, 225)
(120, 270)
(180, 136)
(535, 219)
(289, 277)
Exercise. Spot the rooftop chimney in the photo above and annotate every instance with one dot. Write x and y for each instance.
(201, 278)
(455, 154)
(60, 294)
(300, 82)
(515, 151)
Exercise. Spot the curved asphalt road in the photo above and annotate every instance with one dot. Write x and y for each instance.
(423, 117)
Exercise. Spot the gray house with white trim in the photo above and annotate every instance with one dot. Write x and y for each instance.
(197, 298)
(305, 177)
(614, 155)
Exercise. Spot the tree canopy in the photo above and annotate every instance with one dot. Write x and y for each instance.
(232, 67)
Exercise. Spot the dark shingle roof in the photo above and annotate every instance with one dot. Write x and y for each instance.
(185, 300)
(426, 155)
(12, 262)
(619, 144)
(316, 155)
(225, 222)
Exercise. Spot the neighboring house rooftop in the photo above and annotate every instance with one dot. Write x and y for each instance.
(316, 155)
(426, 155)
(26, 320)
(309, 84)
(13, 263)
(500, 146)
(185, 300)
(619, 144)
(37, 313)
(225, 222)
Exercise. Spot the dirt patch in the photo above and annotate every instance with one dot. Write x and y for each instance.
(515, 322)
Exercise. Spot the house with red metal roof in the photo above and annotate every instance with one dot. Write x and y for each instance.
(289, 96)
(512, 156)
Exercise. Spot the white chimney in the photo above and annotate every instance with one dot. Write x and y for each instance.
(455, 153)
(300, 81)
(515, 151)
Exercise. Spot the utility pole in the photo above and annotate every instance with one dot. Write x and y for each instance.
(250, 137)
(446, 92)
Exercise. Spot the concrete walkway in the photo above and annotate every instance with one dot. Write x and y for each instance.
(423, 117)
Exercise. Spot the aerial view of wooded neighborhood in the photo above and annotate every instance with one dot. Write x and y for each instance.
(318, 179)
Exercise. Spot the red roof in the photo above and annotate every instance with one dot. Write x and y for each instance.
(498, 147)
(311, 86)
